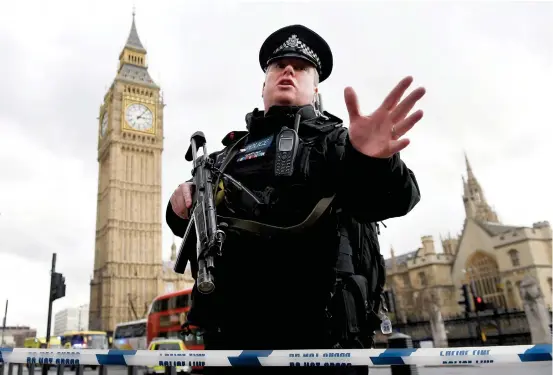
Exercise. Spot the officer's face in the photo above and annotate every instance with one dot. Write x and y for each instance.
(289, 82)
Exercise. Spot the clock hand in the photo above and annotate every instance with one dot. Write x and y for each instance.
(141, 114)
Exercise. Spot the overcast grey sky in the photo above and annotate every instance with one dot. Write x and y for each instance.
(486, 66)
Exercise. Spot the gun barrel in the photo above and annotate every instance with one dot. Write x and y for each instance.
(205, 283)
(193, 150)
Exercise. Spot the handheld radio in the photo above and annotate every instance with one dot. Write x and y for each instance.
(286, 149)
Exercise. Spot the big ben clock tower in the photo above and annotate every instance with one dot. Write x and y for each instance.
(128, 253)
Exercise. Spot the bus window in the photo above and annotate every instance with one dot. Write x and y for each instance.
(177, 302)
(180, 302)
(160, 305)
(131, 335)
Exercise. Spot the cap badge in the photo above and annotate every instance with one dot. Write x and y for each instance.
(294, 42)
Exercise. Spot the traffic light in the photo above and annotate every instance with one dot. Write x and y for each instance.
(57, 288)
(466, 298)
(479, 304)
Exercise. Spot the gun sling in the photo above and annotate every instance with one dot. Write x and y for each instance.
(266, 229)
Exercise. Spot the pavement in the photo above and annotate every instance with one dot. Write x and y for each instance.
(532, 368)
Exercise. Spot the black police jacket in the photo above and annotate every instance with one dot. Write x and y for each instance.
(270, 284)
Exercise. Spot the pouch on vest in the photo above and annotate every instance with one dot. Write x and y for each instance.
(352, 320)
(352, 307)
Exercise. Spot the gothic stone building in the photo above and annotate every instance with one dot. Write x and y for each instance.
(492, 256)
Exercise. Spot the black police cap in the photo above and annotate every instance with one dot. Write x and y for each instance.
(300, 42)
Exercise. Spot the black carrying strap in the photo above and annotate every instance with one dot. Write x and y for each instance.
(256, 227)
(228, 158)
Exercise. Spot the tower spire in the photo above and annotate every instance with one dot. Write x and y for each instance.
(133, 41)
(476, 206)
(393, 259)
(132, 59)
(470, 173)
(173, 250)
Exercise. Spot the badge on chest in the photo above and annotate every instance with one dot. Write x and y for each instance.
(255, 149)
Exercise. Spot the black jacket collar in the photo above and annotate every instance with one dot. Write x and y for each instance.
(259, 122)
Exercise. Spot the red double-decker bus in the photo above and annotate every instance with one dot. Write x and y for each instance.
(166, 316)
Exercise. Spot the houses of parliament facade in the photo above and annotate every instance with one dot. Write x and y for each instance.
(492, 256)
(129, 271)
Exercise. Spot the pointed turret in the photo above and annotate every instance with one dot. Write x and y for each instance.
(132, 60)
(173, 251)
(470, 174)
(133, 41)
(476, 206)
(394, 261)
(133, 52)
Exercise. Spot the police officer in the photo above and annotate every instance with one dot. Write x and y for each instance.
(272, 289)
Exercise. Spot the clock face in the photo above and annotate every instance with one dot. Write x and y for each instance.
(139, 117)
(104, 125)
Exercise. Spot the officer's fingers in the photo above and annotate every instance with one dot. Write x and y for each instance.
(395, 95)
(186, 190)
(398, 145)
(352, 103)
(178, 204)
(406, 105)
(407, 124)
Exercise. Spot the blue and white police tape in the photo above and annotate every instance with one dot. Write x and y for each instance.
(469, 356)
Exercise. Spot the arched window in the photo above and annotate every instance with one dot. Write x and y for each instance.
(515, 260)
(406, 280)
(483, 273)
(422, 279)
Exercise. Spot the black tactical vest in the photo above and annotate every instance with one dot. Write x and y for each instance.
(270, 282)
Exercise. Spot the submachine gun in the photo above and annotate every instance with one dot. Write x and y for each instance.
(209, 237)
(208, 231)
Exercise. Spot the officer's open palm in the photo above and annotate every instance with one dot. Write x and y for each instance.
(181, 200)
(379, 135)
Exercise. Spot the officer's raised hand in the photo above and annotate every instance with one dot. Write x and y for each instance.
(378, 135)
(181, 199)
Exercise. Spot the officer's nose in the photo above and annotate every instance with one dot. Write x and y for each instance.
(289, 69)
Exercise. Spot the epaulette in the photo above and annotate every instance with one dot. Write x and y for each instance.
(233, 137)
(322, 124)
